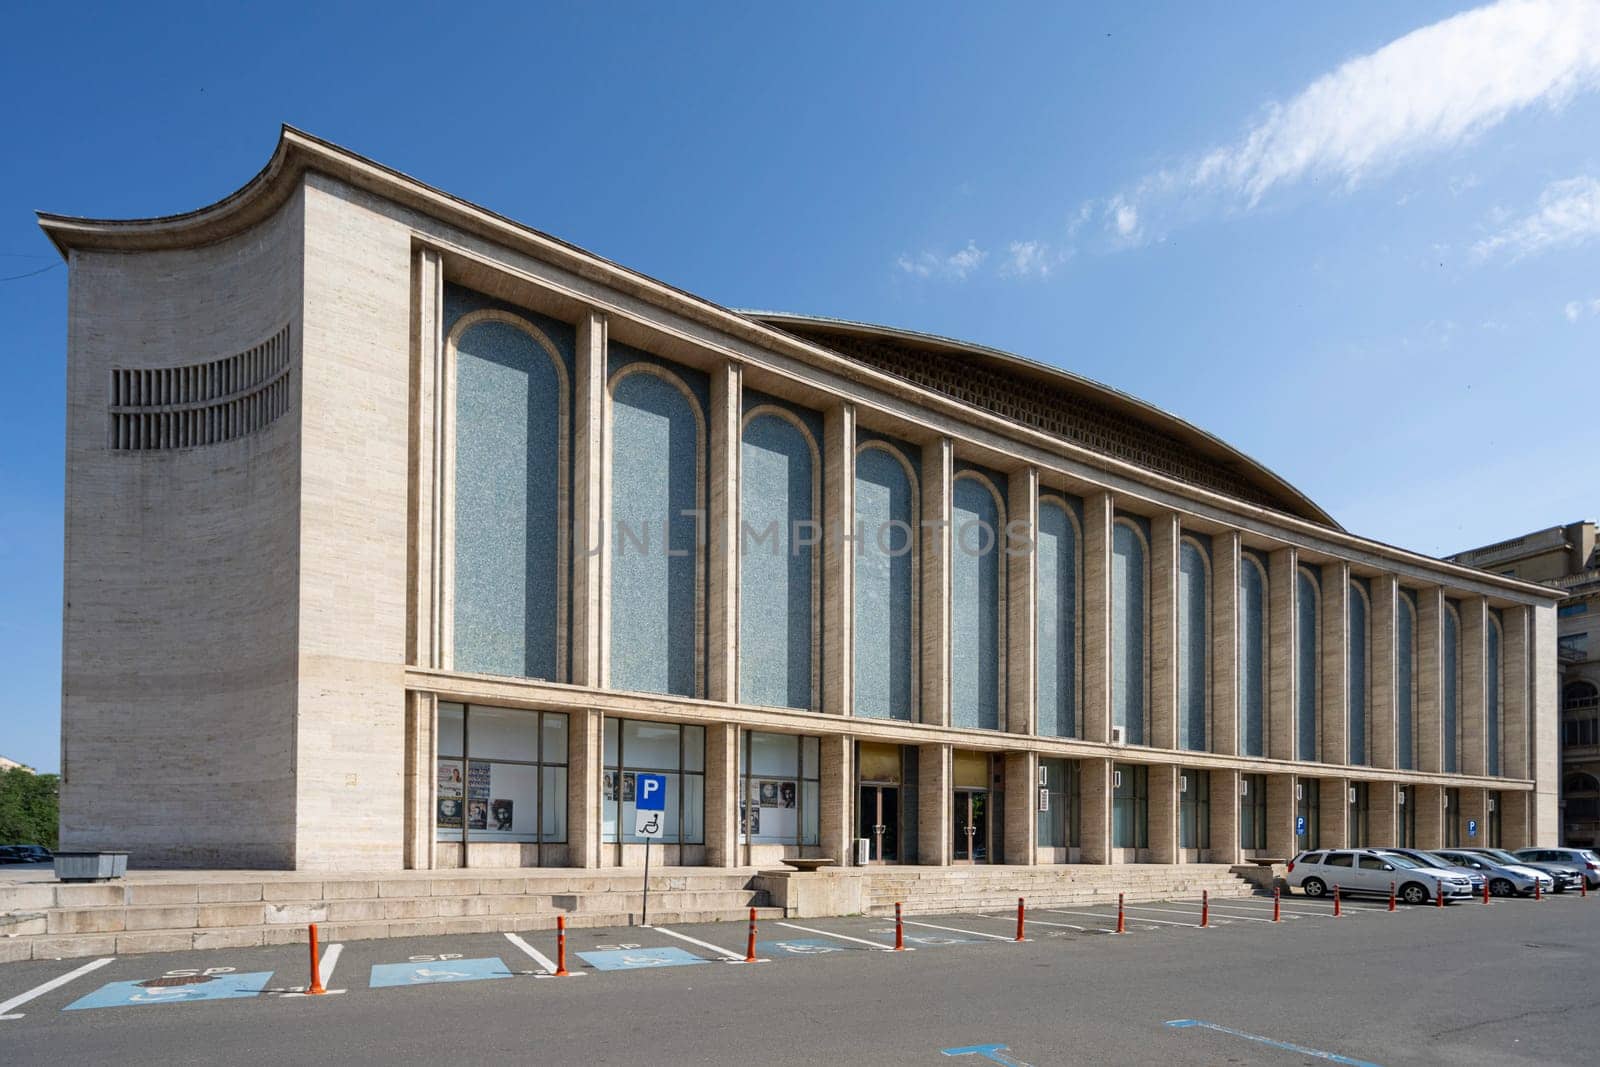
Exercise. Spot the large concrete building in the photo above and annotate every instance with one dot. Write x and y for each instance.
(1566, 558)
(401, 535)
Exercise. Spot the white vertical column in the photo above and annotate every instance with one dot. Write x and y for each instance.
(1097, 518)
(589, 509)
(1223, 727)
(1022, 570)
(838, 560)
(727, 384)
(938, 473)
(1163, 635)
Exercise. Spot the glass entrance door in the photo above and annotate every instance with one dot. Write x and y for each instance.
(878, 820)
(971, 823)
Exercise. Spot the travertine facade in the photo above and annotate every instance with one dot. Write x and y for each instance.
(269, 628)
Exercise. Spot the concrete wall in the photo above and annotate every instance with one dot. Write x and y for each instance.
(179, 669)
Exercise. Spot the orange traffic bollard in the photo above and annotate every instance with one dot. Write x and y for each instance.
(561, 946)
(1486, 890)
(1391, 896)
(899, 930)
(1277, 905)
(1538, 890)
(1121, 926)
(1205, 908)
(1583, 886)
(316, 968)
(1022, 904)
(750, 945)
(1438, 897)
(1336, 911)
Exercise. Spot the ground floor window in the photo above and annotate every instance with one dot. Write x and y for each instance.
(633, 746)
(1194, 809)
(1130, 806)
(1308, 813)
(1058, 814)
(1494, 820)
(779, 774)
(1407, 817)
(1453, 816)
(1253, 811)
(502, 775)
(1358, 815)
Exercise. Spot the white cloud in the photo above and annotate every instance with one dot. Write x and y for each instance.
(1568, 214)
(1029, 259)
(956, 266)
(1577, 309)
(1433, 89)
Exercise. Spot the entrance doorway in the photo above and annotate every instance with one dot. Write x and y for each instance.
(971, 822)
(878, 821)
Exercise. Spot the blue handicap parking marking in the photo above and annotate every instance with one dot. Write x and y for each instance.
(928, 940)
(178, 988)
(800, 946)
(628, 959)
(433, 969)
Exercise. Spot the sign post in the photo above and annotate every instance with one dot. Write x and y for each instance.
(649, 816)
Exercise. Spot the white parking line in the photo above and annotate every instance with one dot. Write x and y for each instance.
(1181, 911)
(734, 956)
(55, 983)
(548, 964)
(330, 960)
(1063, 926)
(954, 930)
(879, 945)
(1112, 918)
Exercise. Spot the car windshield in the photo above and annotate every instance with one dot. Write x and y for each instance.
(1421, 859)
(1500, 855)
(1401, 861)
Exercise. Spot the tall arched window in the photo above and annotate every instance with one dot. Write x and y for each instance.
(1405, 682)
(1581, 795)
(1128, 606)
(508, 481)
(1356, 672)
(1307, 673)
(1491, 695)
(1580, 714)
(1193, 610)
(1252, 657)
(976, 586)
(885, 580)
(657, 475)
(1449, 710)
(778, 609)
(1056, 618)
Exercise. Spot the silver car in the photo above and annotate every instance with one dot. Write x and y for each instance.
(1366, 870)
(1582, 860)
(1504, 881)
(1565, 877)
(1428, 859)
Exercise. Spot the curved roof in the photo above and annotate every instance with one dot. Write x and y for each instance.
(1068, 405)
(1079, 410)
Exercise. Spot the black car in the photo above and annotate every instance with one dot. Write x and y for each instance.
(13, 854)
(34, 853)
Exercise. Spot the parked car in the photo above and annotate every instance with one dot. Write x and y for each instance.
(34, 853)
(13, 854)
(1504, 881)
(1428, 859)
(1583, 860)
(1565, 877)
(1366, 870)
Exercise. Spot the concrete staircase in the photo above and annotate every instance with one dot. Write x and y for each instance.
(924, 890)
(174, 911)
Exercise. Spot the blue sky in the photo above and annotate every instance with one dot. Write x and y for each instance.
(1360, 242)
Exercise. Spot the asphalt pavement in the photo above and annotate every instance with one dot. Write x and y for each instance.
(1505, 983)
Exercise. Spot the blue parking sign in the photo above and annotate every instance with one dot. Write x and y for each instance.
(1472, 827)
(1299, 826)
(650, 792)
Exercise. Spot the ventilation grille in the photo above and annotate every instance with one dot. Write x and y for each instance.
(201, 404)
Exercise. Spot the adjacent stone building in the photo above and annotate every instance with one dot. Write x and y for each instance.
(1567, 559)
(401, 535)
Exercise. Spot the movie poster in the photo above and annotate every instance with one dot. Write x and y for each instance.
(449, 778)
(769, 794)
(611, 785)
(449, 814)
(477, 814)
(478, 780)
(500, 812)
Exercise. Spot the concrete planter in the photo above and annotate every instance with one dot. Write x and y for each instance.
(90, 866)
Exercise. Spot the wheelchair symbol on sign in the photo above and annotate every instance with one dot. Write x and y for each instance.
(800, 948)
(652, 825)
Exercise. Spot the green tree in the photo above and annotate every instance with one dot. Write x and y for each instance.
(29, 808)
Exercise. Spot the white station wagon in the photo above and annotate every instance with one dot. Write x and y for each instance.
(1371, 872)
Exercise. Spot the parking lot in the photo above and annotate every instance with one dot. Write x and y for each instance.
(1466, 983)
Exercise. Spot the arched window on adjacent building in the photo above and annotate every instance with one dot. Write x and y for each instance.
(1580, 714)
(1356, 670)
(778, 575)
(509, 486)
(1405, 681)
(1308, 683)
(1056, 618)
(977, 590)
(1129, 603)
(1194, 608)
(1581, 793)
(1252, 656)
(885, 582)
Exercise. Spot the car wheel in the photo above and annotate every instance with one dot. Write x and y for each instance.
(1414, 893)
(1501, 888)
(1313, 887)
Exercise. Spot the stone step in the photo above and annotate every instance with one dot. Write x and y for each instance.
(69, 946)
